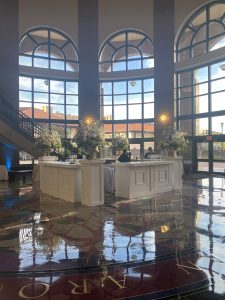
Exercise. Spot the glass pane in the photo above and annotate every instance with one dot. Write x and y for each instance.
(148, 110)
(135, 150)
(71, 99)
(57, 64)
(119, 66)
(219, 150)
(200, 35)
(41, 97)
(217, 71)
(185, 107)
(148, 85)
(134, 112)
(218, 125)
(41, 85)
(134, 86)
(148, 63)
(149, 97)
(184, 78)
(120, 54)
(218, 101)
(134, 64)
(26, 108)
(71, 87)
(41, 63)
(134, 130)
(71, 112)
(185, 92)
(200, 89)
(55, 98)
(202, 150)
(106, 88)
(218, 85)
(184, 55)
(217, 43)
(57, 86)
(120, 99)
(25, 83)
(148, 145)
(120, 112)
(216, 11)
(199, 49)
(201, 104)
(106, 112)
(219, 167)
(135, 98)
(25, 61)
(120, 129)
(108, 131)
(41, 111)
(120, 87)
(215, 29)
(57, 112)
(25, 96)
(148, 129)
(201, 75)
(201, 126)
(107, 100)
(186, 126)
(203, 166)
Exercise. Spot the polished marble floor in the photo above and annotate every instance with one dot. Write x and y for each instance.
(170, 246)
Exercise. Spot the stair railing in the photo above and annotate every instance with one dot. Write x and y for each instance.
(18, 120)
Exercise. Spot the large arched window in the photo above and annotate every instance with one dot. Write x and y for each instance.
(204, 32)
(127, 95)
(201, 85)
(128, 50)
(48, 92)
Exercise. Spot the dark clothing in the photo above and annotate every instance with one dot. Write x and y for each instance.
(124, 157)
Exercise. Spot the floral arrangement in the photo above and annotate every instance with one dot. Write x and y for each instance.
(90, 138)
(119, 143)
(176, 141)
(48, 140)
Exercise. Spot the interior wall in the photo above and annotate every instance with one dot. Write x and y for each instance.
(118, 15)
(59, 14)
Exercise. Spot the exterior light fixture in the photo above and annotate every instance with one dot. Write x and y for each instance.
(46, 82)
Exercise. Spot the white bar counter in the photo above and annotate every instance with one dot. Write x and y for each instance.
(61, 180)
(146, 178)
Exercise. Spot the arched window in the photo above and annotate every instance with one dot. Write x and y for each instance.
(127, 96)
(48, 48)
(129, 50)
(48, 92)
(201, 85)
(204, 32)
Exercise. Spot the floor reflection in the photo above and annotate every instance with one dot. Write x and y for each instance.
(42, 233)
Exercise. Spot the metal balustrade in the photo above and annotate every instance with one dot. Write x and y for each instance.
(18, 120)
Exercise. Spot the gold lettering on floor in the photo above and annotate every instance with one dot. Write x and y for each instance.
(21, 291)
(118, 282)
(190, 266)
(85, 287)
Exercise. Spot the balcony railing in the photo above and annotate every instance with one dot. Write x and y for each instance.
(18, 120)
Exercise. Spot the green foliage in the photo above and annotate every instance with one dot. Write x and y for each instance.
(90, 138)
(49, 139)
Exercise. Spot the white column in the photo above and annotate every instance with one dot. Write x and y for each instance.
(92, 182)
